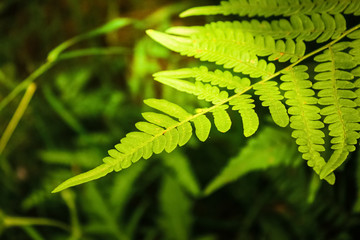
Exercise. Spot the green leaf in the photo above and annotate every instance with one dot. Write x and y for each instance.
(244, 104)
(222, 119)
(265, 9)
(340, 111)
(172, 139)
(202, 127)
(159, 144)
(167, 107)
(91, 175)
(159, 119)
(185, 133)
(149, 128)
(174, 43)
(180, 85)
(270, 96)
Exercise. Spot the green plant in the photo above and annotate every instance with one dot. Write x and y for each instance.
(69, 104)
(260, 55)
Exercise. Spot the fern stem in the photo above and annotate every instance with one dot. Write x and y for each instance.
(10, 221)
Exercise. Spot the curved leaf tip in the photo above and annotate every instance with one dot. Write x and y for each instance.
(88, 176)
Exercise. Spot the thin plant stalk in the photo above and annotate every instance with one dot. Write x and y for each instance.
(25, 84)
(17, 116)
(10, 221)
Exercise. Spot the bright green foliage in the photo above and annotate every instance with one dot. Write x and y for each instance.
(260, 186)
(267, 8)
(222, 119)
(319, 27)
(228, 35)
(270, 96)
(213, 94)
(160, 132)
(244, 104)
(305, 119)
(205, 92)
(211, 49)
(252, 51)
(336, 93)
(202, 126)
(219, 78)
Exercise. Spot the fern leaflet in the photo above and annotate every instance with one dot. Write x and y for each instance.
(242, 103)
(240, 61)
(336, 93)
(305, 119)
(218, 78)
(319, 27)
(276, 8)
(271, 97)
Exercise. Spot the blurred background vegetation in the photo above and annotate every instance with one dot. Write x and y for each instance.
(92, 96)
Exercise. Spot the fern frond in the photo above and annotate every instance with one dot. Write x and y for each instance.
(270, 97)
(160, 132)
(239, 60)
(241, 47)
(218, 78)
(205, 92)
(337, 95)
(185, 130)
(276, 8)
(319, 27)
(223, 35)
(243, 103)
(233, 38)
(305, 119)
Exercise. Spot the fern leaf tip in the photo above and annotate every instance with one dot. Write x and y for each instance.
(174, 43)
(88, 176)
(203, 10)
(56, 190)
(149, 31)
(330, 178)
